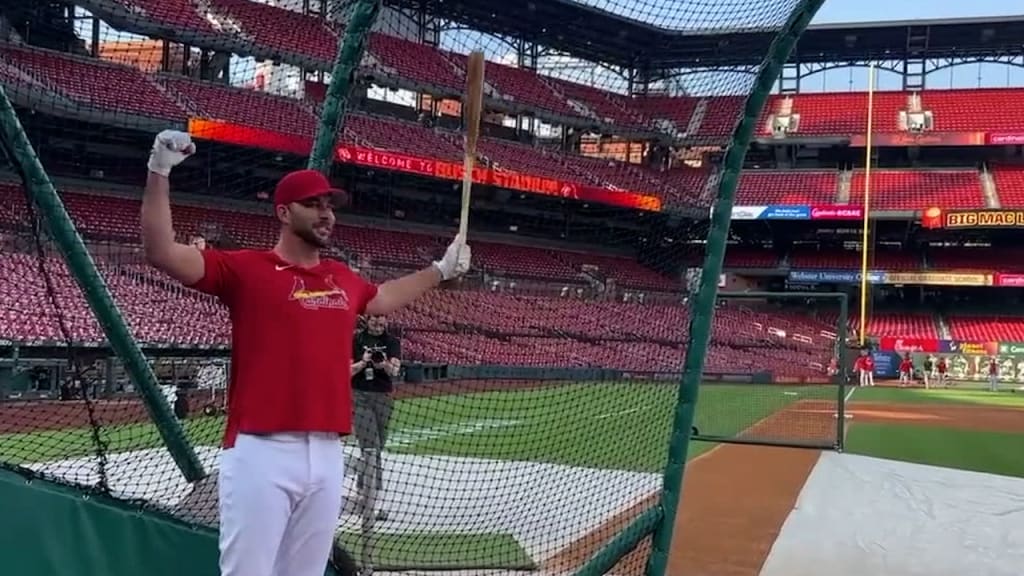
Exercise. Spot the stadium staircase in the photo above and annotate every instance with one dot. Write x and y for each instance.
(988, 188)
(843, 190)
(942, 327)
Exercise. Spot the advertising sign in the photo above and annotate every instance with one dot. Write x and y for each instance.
(835, 276)
(772, 212)
(972, 219)
(237, 134)
(939, 278)
(1009, 280)
(901, 345)
(1005, 138)
(837, 212)
(1013, 348)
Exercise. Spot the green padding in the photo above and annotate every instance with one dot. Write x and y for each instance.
(51, 530)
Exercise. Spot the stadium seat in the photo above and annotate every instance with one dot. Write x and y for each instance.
(1009, 181)
(972, 110)
(981, 259)
(417, 62)
(277, 29)
(241, 106)
(919, 189)
(878, 259)
(171, 14)
(761, 187)
(986, 328)
(91, 82)
(846, 114)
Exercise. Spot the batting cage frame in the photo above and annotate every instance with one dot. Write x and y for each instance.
(172, 537)
(816, 414)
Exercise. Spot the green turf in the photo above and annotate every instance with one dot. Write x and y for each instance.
(77, 442)
(993, 452)
(939, 395)
(442, 551)
(623, 426)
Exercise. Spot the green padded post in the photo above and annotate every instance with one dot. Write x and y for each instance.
(608, 556)
(82, 267)
(844, 312)
(350, 53)
(702, 311)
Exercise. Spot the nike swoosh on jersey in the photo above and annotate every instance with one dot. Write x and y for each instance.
(279, 267)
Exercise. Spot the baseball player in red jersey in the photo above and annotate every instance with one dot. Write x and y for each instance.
(993, 374)
(865, 367)
(906, 370)
(940, 367)
(293, 316)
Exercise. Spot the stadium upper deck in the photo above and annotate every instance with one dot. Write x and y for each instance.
(156, 100)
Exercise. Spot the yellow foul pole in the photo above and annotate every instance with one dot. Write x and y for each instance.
(866, 208)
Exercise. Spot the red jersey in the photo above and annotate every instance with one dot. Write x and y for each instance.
(993, 369)
(942, 366)
(291, 340)
(906, 366)
(869, 364)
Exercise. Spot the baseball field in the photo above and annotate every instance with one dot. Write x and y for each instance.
(537, 476)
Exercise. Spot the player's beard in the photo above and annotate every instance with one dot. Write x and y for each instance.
(309, 236)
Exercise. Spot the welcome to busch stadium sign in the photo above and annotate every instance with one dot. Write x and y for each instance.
(963, 219)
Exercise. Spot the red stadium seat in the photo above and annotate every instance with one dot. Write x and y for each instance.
(91, 82)
(1009, 185)
(761, 187)
(919, 189)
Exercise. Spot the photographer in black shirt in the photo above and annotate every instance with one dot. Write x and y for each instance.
(378, 355)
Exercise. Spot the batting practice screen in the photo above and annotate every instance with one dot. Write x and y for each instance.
(536, 401)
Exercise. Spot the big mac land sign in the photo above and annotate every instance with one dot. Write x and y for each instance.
(963, 219)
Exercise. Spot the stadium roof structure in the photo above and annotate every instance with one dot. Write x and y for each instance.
(602, 36)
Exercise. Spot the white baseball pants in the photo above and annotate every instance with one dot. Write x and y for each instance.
(280, 498)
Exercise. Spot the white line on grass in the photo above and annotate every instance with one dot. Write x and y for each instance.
(849, 394)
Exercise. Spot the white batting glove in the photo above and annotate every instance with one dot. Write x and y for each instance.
(170, 148)
(456, 259)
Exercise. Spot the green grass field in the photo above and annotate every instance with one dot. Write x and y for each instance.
(602, 426)
(978, 451)
(620, 426)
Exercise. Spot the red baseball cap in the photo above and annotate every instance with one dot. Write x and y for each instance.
(301, 185)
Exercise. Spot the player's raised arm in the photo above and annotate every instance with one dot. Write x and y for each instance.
(395, 294)
(182, 262)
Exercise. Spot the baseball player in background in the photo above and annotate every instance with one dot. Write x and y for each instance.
(293, 316)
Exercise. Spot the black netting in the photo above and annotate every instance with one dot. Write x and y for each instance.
(533, 419)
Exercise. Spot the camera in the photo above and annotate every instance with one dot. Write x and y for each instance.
(377, 357)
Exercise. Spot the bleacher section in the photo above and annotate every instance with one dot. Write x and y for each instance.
(919, 189)
(759, 188)
(87, 82)
(988, 328)
(880, 259)
(1006, 259)
(1009, 182)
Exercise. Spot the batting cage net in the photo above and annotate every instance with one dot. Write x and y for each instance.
(775, 371)
(531, 421)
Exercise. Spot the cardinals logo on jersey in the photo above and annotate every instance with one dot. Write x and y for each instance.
(331, 297)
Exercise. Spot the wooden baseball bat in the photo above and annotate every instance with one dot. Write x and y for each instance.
(471, 108)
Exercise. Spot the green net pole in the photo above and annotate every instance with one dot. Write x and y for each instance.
(82, 267)
(703, 309)
(350, 53)
(622, 544)
(841, 374)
